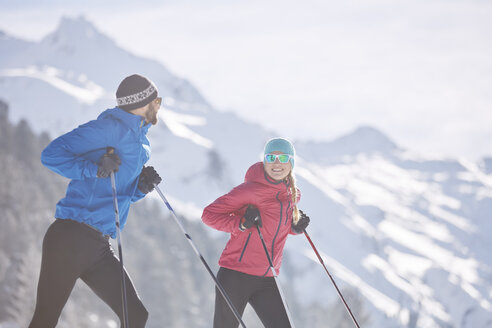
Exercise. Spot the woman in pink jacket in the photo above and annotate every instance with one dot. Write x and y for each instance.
(270, 194)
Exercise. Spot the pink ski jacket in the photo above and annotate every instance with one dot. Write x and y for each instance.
(244, 251)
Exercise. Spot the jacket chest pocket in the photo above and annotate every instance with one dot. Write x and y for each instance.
(244, 248)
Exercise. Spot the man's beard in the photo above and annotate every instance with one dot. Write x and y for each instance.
(151, 115)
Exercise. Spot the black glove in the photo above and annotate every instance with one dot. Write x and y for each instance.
(107, 163)
(251, 217)
(148, 177)
(301, 224)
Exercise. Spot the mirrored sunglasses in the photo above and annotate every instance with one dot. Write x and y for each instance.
(282, 158)
(158, 101)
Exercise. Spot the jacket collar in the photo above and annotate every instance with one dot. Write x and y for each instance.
(257, 173)
(133, 122)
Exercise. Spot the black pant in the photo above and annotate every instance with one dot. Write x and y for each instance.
(73, 250)
(261, 293)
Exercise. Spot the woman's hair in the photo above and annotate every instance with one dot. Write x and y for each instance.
(293, 192)
(285, 146)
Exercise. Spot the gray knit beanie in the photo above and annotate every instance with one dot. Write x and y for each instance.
(135, 91)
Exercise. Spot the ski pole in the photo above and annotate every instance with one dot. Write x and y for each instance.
(188, 237)
(120, 250)
(331, 278)
(275, 278)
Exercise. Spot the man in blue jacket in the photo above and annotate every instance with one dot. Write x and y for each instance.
(77, 244)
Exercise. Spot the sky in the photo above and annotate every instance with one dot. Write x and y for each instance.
(419, 71)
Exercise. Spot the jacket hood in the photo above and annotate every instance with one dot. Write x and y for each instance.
(256, 173)
(134, 122)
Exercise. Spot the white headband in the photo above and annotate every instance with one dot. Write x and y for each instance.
(137, 97)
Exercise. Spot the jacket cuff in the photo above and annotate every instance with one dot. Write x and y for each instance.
(91, 170)
(295, 231)
(241, 227)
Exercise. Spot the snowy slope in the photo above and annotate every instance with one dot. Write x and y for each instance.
(411, 234)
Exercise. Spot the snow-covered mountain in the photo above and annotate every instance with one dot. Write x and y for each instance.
(411, 235)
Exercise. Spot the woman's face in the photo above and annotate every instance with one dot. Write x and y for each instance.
(276, 170)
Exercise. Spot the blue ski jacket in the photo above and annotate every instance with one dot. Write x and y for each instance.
(75, 155)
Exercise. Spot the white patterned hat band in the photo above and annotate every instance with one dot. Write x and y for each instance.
(137, 97)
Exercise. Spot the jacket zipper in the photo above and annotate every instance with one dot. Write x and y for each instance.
(279, 224)
(278, 228)
(91, 196)
(244, 248)
(287, 213)
(140, 144)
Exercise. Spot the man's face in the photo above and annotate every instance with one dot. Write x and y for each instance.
(151, 113)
